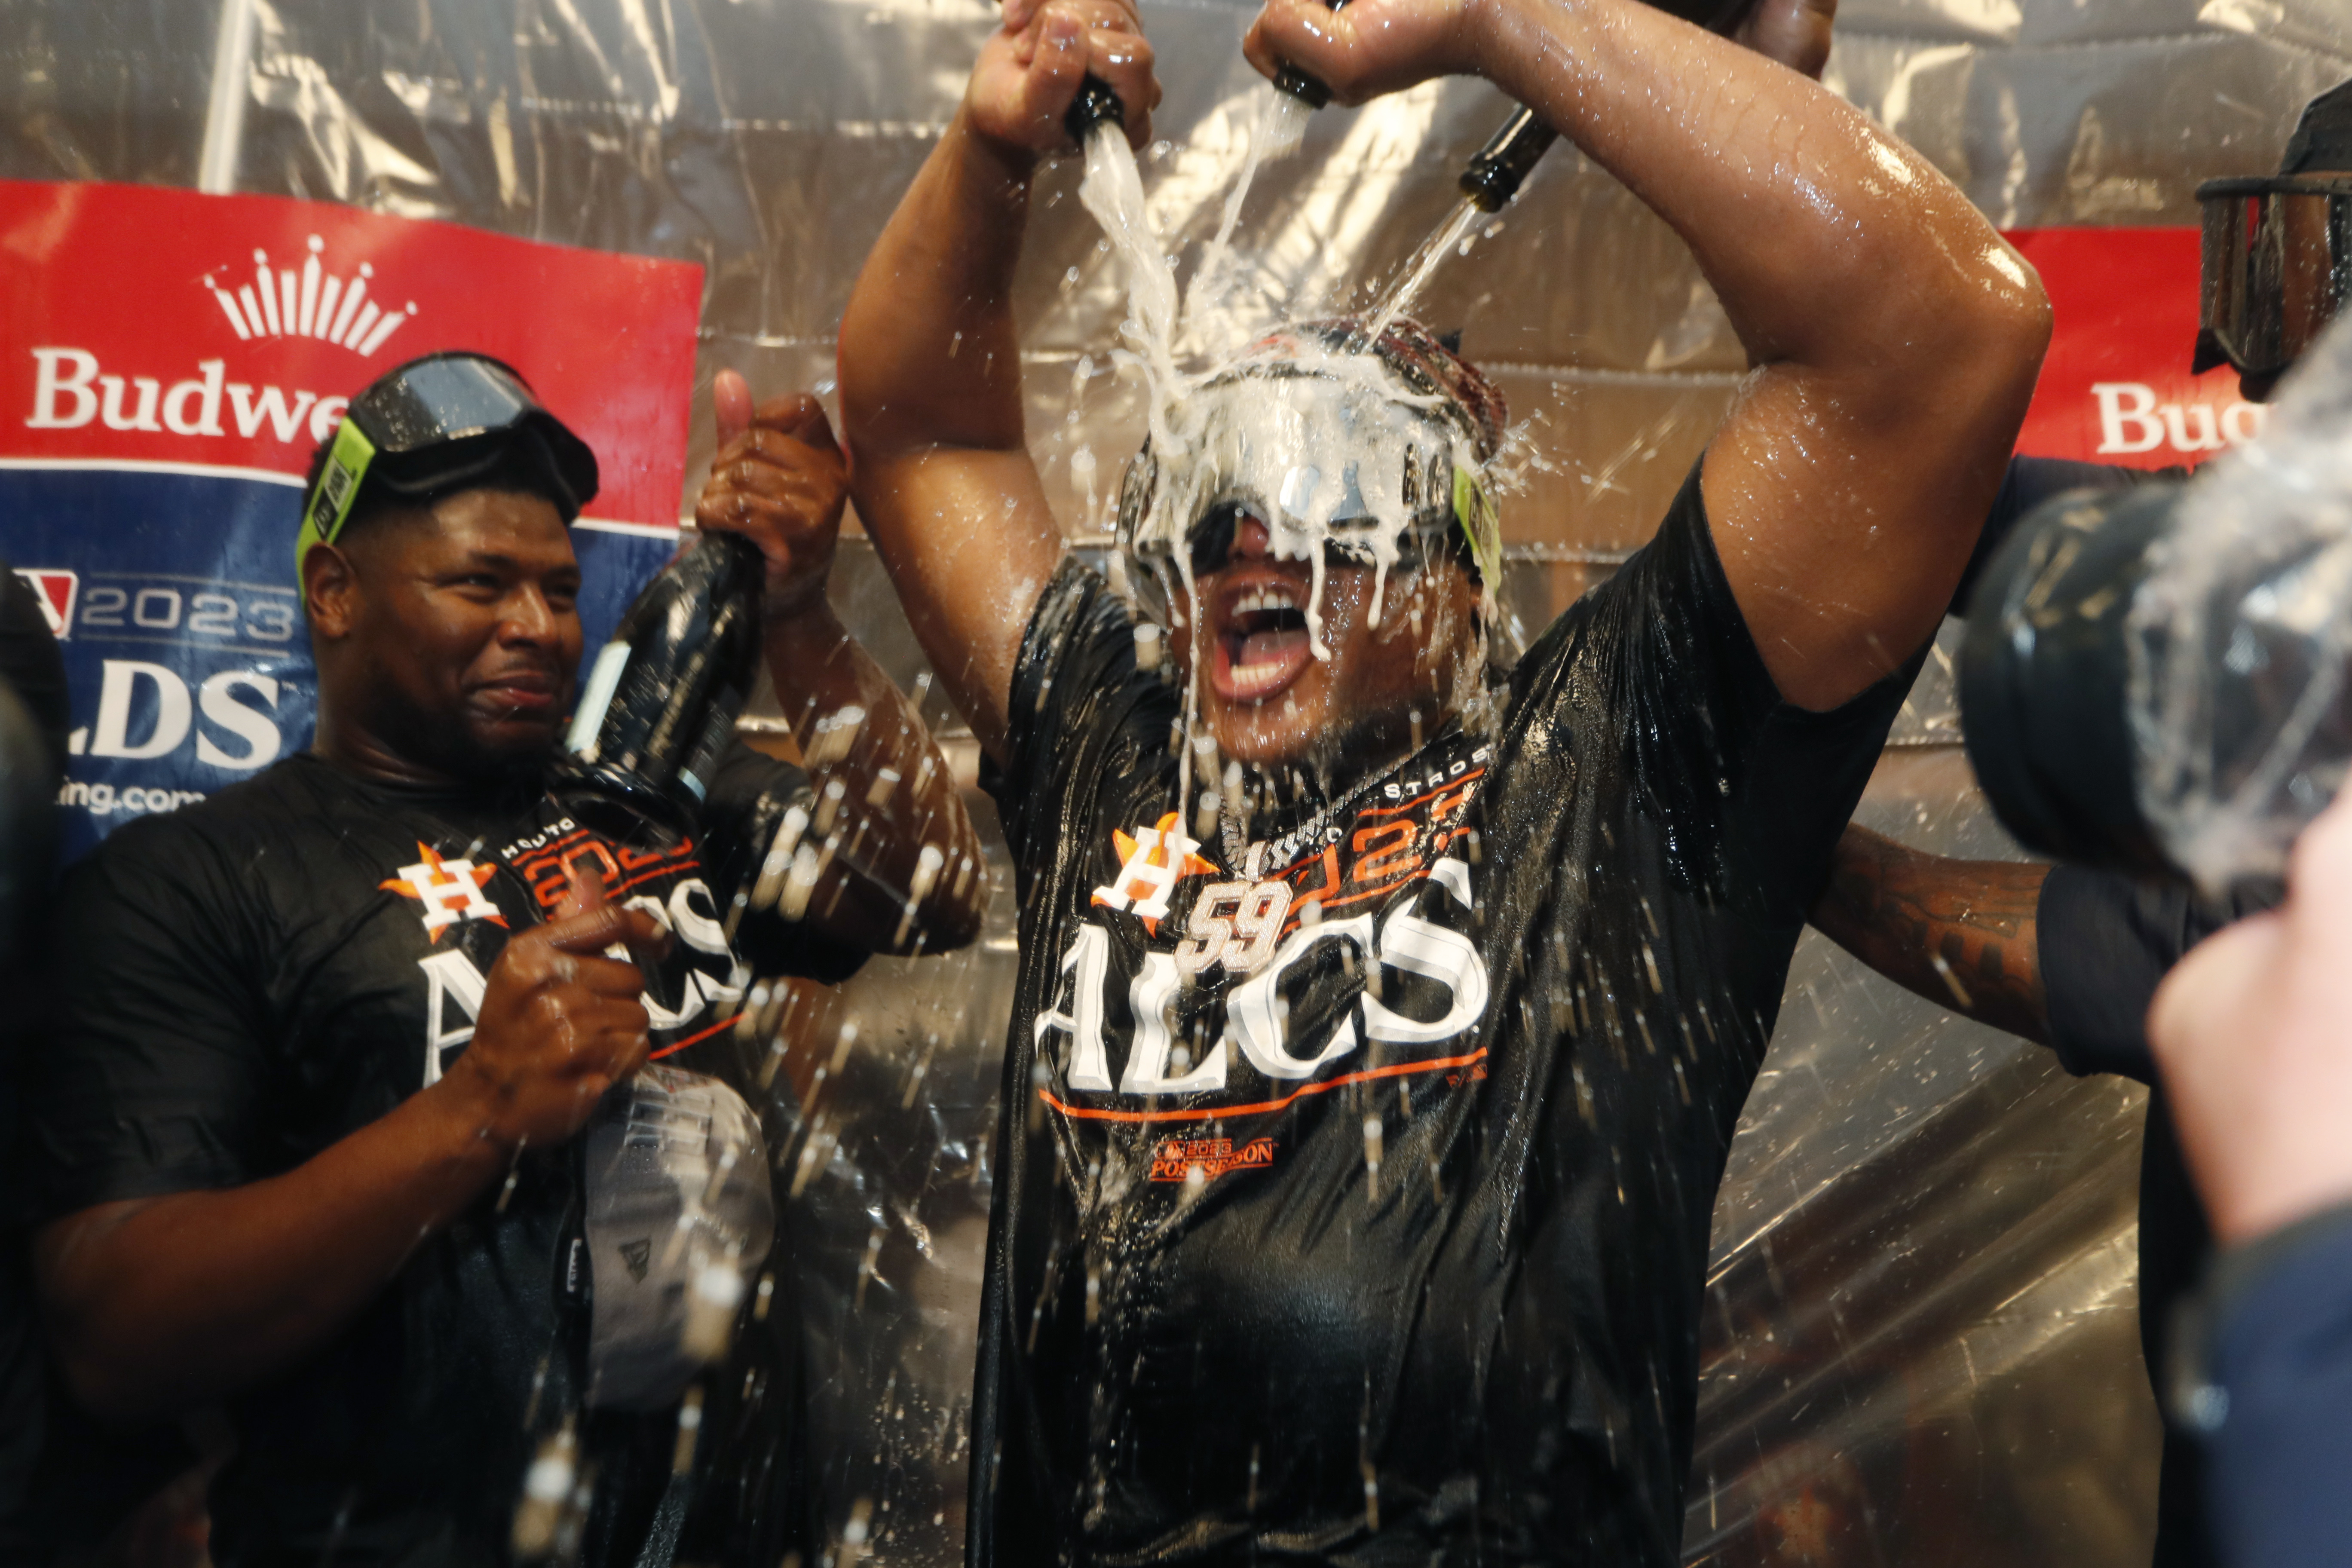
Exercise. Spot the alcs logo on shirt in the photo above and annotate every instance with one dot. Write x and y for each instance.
(450, 890)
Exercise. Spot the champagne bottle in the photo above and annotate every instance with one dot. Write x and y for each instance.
(659, 706)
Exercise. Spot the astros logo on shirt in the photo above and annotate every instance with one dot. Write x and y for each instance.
(1152, 862)
(450, 890)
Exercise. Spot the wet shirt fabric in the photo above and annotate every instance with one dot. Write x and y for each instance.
(1357, 1210)
(243, 983)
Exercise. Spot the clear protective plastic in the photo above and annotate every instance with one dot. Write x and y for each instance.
(2240, 638)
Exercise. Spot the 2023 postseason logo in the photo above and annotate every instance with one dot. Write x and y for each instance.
(169, 363)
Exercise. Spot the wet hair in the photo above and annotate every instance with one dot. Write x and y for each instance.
(1428, 363)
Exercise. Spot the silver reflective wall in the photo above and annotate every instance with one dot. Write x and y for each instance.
(1922, 1342)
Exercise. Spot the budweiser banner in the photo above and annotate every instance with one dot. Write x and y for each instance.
(2116, 387)
(170, 362)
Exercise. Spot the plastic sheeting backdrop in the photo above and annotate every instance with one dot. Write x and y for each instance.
(1922, 1348)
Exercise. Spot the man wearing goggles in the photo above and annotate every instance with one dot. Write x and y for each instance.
(1384, 1016)
(307, 1106)
(2068, 957)
(1358, 469)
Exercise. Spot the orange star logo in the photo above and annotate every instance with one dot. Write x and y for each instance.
(1152, 860)
(450, 890)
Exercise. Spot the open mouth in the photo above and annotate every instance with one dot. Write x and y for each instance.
(1263, 644)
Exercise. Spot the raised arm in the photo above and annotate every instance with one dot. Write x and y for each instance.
(902, 870)
(930, 363)
(1961, 933)
(1895, 337)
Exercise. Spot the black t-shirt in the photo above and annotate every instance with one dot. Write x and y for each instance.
(241, 983)
(1211, 1330)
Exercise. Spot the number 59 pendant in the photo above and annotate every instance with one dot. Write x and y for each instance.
(1236, 925)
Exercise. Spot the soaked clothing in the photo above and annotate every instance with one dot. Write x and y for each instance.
(32, 669)
(243, 983)
(2105, 943)
(1353, 1206)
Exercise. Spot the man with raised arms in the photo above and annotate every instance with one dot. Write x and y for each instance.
(1363, 1120)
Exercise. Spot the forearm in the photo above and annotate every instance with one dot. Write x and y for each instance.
(1960, 934)
(1815, 229)
(930, 388)
(158, 1305)
(929, 349)
(901, 864)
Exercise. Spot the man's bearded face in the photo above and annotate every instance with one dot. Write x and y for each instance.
(1266, 699)
(468, 628)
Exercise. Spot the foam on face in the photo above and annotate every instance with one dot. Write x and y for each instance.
(1310, 445)
(1334, 450)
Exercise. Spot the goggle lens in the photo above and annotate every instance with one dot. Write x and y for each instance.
(2277, 268)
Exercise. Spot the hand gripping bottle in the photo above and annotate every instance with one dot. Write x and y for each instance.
(659, 706)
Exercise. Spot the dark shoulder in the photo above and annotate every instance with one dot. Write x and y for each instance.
(219, 832)
(1676, 572)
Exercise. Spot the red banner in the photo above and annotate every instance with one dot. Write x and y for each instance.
(2116, 387)
(168, 364)
(152, 326)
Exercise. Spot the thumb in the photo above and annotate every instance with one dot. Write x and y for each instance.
(587, 889)
(730, 399)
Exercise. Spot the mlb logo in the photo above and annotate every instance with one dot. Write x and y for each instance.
(55, 588)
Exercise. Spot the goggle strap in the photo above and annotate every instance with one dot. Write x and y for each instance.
(1470, 512)
(339, 486)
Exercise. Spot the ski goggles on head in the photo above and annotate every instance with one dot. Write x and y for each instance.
(2277, 266)
(438, 425)
(1352, 470)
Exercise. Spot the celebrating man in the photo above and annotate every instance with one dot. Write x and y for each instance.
(1383, 1019)
(309, 1113)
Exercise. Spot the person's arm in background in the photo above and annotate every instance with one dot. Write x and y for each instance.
(1895, 337)
(1961, 933)
(1965, 934)
(1796, 33)
(930, 355)
(886, 806)
(2252, 1033)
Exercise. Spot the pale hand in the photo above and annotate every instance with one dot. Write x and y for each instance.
(1032, 66)
(2253, 1032)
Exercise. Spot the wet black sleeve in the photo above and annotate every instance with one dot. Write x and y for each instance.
(1080, 709)
(749, 796)
(1750, 793)
(148, 1069)
(2105, 943)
